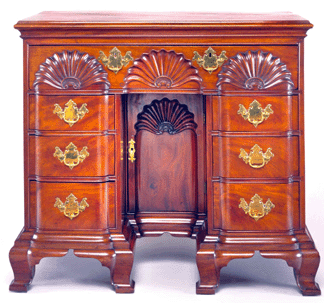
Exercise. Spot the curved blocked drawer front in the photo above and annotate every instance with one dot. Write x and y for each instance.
(54, 205)
(281, 214)
(280, 156)
(255, 114)
(67, 156)
(71, 113)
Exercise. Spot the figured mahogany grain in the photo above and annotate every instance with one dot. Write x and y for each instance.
(100, 161)
(99, 118)
(188, 183)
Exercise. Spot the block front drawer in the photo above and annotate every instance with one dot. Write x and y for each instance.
(68, 156)
(71, 113)
(255, 157)
(71, 206)
(257, 207)
(255, 114)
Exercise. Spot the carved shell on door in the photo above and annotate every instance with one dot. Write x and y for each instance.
(71, 70)
(165, 116)
(162, 70)
(255, 70)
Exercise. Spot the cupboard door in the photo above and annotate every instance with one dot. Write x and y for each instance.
(163, 172)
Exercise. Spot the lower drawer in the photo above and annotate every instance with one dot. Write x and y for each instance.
(70, 156)
(256, 207)
(71, 206)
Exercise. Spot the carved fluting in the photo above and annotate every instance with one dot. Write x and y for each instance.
(71, 70)
(162, 70)
(165, 116)
(255, 70)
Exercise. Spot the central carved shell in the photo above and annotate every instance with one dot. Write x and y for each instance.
(162, 70)
(165, 116)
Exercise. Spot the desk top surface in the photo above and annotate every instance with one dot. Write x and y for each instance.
(108, 19)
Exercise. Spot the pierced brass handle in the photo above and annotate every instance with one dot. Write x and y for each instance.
(256, 158)
(210, 61)
(71, 114)
(131, 150)
(256, 209)
(71, 207)
(115, 61)
(71, 156)
(255, 114)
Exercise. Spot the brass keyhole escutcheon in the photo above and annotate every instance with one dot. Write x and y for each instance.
(131, 150)
(210, 61)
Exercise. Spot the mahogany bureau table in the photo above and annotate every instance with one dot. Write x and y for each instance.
(187, 123)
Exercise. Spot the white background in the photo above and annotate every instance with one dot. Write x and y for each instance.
(164, 267)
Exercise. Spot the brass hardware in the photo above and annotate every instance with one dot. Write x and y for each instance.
(71, 114)
(131, 150)
(121, 150)
(210, 61)
(256, 209)
(255, 114)
(71, 208)
(256, 158)
(71, 156)
(115, 61)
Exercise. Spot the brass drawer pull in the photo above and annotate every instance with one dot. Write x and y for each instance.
(71, 114)
(256, 158)
(71, 156)
(71, 207)
(115, 61)
(255, 114)
(210, 61)
(131, 150)
(256, 209)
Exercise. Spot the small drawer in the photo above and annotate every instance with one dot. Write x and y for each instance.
(68, 156)
(72, 206)
(257, 207)
(255, 157)
(71, 113)
(255, 114)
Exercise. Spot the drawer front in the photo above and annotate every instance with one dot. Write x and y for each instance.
(38, 55)
(67, 156)
(255, 157)
(255, 114)
(242, 210)
(71, 113)
(72, 206)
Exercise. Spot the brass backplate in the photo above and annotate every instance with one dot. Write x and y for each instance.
(256, 158)
(256, 209)
(255, 114)
(71, 114)
(71, 207)
(115, 61)
(210, 61)
(71, 157)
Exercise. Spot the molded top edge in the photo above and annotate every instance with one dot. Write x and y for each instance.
(99, 19)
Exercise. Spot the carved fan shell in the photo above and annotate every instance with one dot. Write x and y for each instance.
(165, 116)
(71, 69)
(162, 70)
(255, 70)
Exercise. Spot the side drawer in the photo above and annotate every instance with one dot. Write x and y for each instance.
(71, 113)
(277, 211)
(68, 156)
(255, 114)
(255, 157)
(72, 206)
